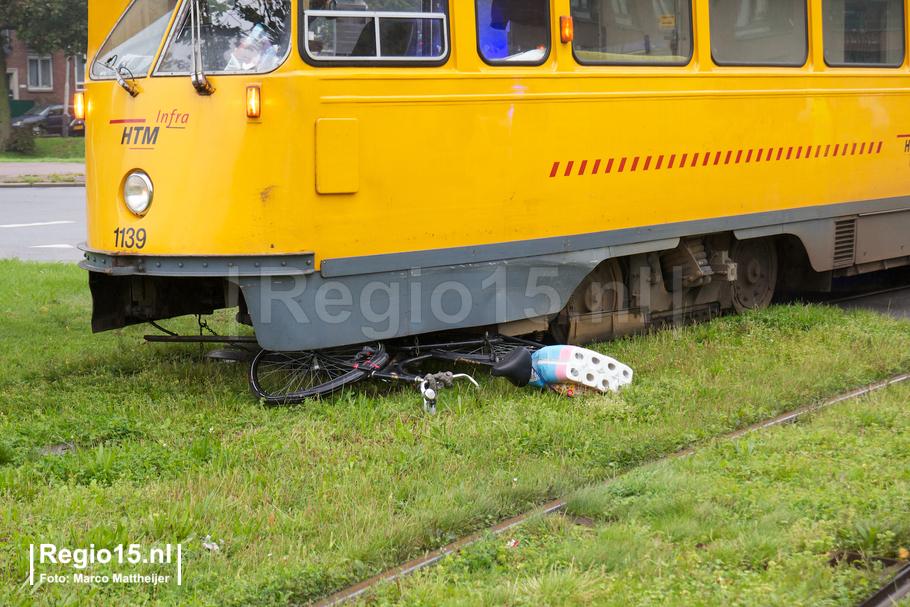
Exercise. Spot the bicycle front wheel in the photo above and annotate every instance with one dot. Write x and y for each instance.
(285, 378)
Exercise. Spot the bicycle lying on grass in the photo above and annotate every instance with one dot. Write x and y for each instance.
(292, 377)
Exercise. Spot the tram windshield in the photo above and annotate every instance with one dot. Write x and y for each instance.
(133, 42)
(237, 36)
(363, 30)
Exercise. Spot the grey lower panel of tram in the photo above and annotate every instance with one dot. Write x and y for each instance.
(302, 312)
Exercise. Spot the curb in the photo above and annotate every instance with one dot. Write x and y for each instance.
(44, 184)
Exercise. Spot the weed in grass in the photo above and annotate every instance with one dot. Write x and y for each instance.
(618, 546)
(488, 553)
(205, 448)
(7, 454)
(558, 586)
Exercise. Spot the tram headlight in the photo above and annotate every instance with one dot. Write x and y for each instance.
(138, 192)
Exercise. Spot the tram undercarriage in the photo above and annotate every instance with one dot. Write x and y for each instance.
(699, 279)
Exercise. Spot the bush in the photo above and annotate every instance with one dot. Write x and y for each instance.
(21, 141)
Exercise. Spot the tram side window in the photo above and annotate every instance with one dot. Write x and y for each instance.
(374, 30)
(237, 36)
(513, 31)
(632, 31)
(759, 32)
(132, 44)
(863, 32)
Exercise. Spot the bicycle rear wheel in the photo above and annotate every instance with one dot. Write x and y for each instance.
(487, 350)
(285, 378)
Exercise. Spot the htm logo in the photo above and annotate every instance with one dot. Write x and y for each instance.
(139, 135)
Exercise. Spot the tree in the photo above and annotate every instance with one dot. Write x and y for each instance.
(46, 26)
(10, 12)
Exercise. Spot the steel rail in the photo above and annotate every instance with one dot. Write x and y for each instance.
(862, 295)
(435, 556)
(896, 589)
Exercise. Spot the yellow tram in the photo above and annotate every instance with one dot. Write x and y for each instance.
(344, 171)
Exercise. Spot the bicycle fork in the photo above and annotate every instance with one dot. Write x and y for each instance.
(430, 386)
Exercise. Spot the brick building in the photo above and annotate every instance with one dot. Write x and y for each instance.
(39, 78)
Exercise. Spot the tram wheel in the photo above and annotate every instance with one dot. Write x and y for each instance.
(601, 291)
(285, 378)
(756, 273)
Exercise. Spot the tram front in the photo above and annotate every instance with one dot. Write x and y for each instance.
(188, 175)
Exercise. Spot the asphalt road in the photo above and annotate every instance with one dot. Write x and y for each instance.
(42, 224)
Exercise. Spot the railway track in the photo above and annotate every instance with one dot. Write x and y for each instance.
(856, 296)
(894, 590)
(862, 291)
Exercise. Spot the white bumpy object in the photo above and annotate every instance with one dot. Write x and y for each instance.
(571, 364)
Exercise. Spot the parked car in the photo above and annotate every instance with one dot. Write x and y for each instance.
(77, 128)
(47, 119)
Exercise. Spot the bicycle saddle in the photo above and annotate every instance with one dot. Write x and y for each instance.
(515, 367)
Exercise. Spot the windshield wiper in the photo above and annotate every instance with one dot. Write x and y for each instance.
(129, 87)
(200, 82)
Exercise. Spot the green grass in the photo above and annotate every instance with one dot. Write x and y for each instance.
(745, 522)
(305, 500)
(53, 178)
(51, 149)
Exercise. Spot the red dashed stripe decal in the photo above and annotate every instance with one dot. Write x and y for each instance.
(663, 161)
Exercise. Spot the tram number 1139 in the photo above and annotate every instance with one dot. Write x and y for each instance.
(129, 238)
